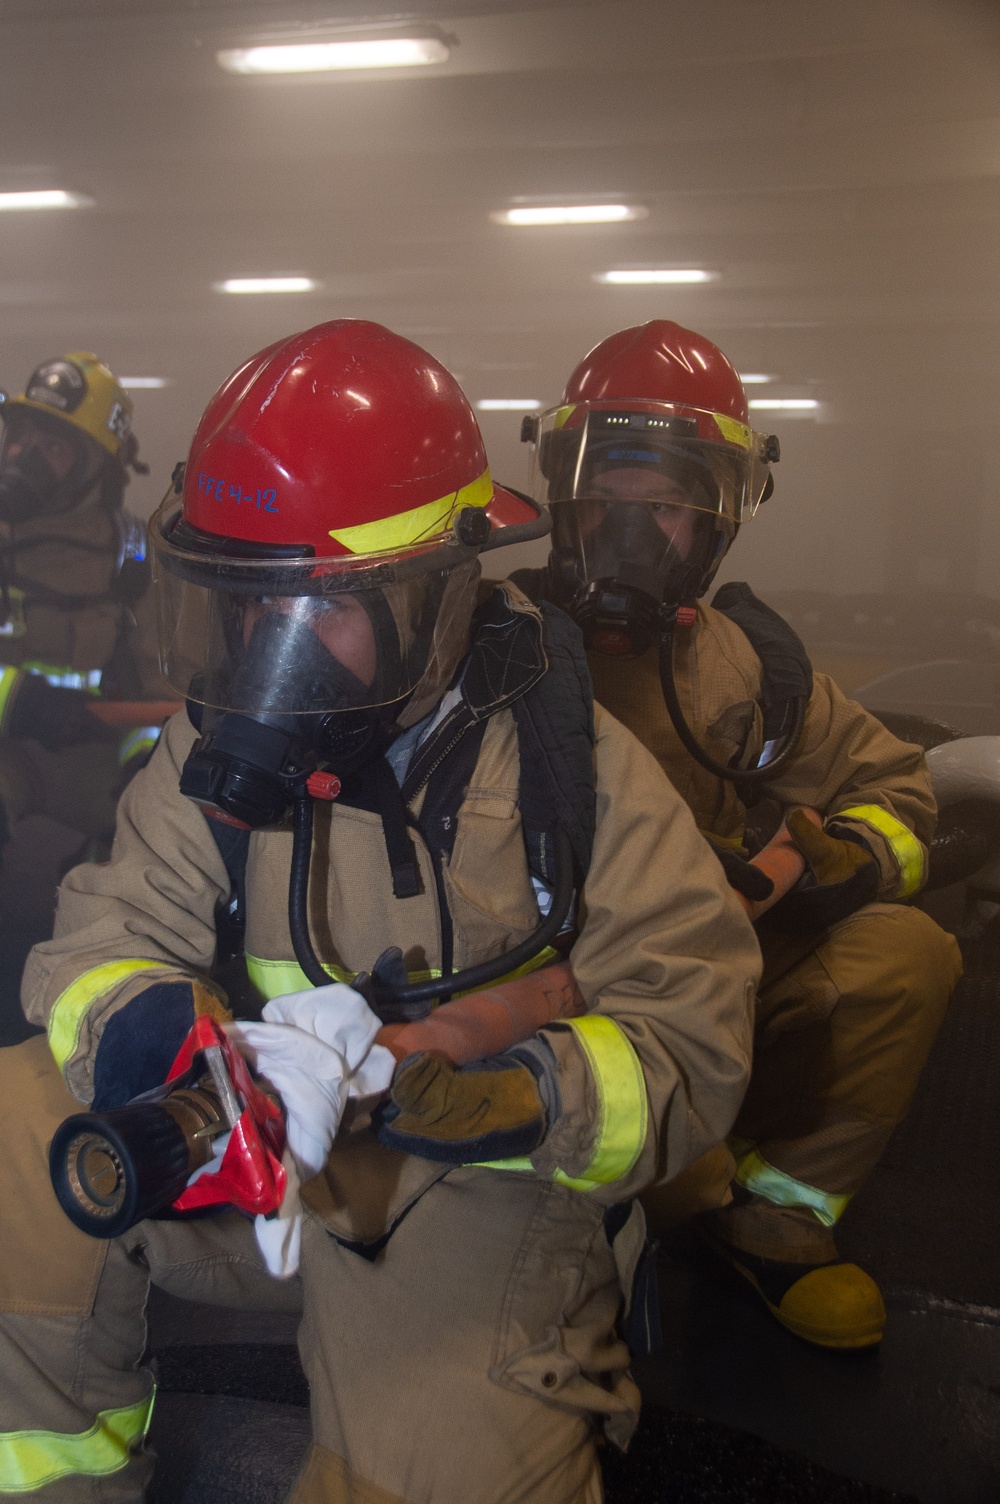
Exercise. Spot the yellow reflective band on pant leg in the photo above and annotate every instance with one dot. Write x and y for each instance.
(622, 1106)
(31, 1459)
(754, 1174)
(902, 842)
(71, 1006)
(8, 679)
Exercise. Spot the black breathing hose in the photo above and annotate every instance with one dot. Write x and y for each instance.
(501, 966)
(388, 996)
(298, 893)
(735, 775)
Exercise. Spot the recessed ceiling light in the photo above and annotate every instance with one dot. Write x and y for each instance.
(327, 57)
(266, 284)
(569, 214)
(508, 404)
(754, 378)
(640, 276)
(143, 383)
(44, 198)
(784, 404)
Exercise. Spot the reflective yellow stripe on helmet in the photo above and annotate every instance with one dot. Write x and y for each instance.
(416, 526)
(622, 1105)
(31, 1459)
(755, 1174)
(71, 1007)
(276, 978)
(902, 842)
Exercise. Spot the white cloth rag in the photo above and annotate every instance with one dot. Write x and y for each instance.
(317, 1049)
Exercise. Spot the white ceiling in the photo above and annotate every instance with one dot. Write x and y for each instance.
(836, 162)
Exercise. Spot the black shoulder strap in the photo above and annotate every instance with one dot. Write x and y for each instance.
(233, 844)
(555, 730)
(787, 671)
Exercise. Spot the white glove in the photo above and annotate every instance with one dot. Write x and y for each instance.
(317, 1049)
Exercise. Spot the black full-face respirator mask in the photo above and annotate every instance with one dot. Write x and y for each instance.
(46, 467)
(620, 573)
(623, 558)
(292, 667)
(628, 566)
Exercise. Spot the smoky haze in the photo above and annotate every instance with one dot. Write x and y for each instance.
(834, 163)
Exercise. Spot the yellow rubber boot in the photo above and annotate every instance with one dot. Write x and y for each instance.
(834, 1305)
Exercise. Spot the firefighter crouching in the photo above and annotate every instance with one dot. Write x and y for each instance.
(73, 572)
(466, 1236)
(650, 466)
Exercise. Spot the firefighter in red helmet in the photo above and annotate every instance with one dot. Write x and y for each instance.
(391, 777)
(650, 466)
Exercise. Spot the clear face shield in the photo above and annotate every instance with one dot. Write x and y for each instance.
(265, 635)
(645, 501)
(297, 663)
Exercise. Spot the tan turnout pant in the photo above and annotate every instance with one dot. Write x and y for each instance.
(473, 1358)
(841, 1038)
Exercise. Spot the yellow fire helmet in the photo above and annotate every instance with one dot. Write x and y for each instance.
(80, 389)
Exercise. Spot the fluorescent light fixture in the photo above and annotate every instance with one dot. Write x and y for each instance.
(43, 198)
(508, 404)
(265, 284)
(328, 57)
(784, 404)
(570, 214)
(642, 276)
(143, 383)
(754, 378)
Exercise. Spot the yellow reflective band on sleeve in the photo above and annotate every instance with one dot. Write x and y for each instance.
(142, 739)
(733, 430)
(31, 1459)
(276, 978)
(8, 679)
(902, 842)
(755, 1174)
(422, 523)
(622, 1105)
(63, 677)
(71, 1006)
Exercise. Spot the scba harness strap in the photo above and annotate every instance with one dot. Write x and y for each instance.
(538, 670)
(786, 670)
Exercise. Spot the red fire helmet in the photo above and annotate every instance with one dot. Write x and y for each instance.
(329, 521)
(660, 361)
(347, 439)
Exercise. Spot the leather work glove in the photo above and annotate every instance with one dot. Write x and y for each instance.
(492, 1109)
(842, 875)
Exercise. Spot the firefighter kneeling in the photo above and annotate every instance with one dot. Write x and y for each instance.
(390, 769)
(650, 467)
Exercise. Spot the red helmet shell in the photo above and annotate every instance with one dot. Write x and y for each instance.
(663, 362)
(343, 425)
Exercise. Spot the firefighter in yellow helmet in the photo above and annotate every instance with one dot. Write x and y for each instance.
(650, 466)
(72, 571)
